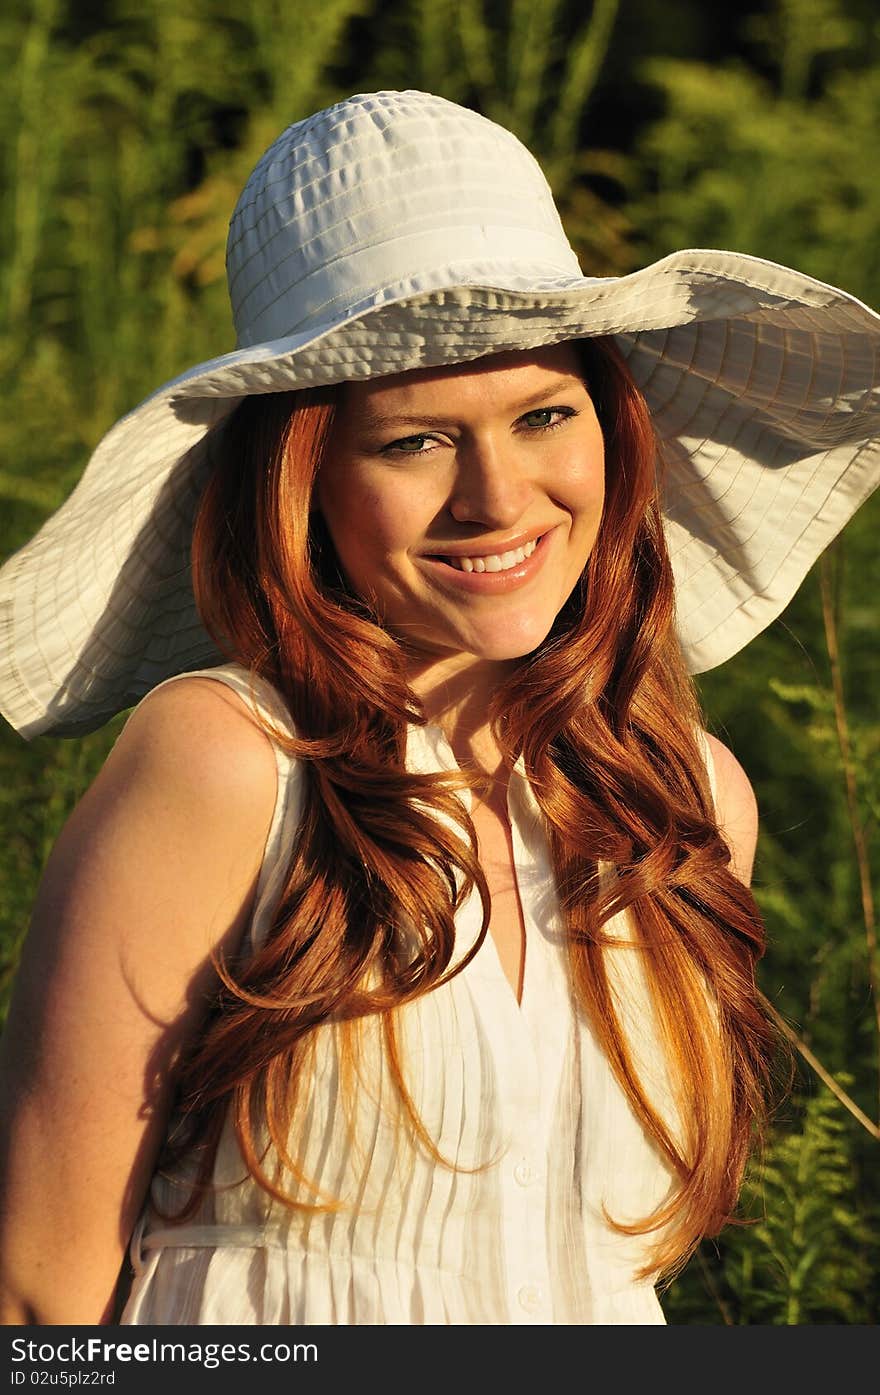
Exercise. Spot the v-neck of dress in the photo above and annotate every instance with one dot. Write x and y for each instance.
(429, 750)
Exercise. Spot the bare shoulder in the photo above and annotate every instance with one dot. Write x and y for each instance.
(736, 807)
(160, 857)
(199, 731)
(174, 823)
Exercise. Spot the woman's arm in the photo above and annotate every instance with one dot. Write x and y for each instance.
(736, 809)
(155, 867)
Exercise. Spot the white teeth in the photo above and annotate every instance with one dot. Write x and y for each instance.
(497, 562)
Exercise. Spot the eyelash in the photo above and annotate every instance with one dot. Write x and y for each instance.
(566, 414)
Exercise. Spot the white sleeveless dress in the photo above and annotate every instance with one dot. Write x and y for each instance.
(518, 1096)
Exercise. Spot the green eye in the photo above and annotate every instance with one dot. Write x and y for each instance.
(542, 416)
(409, 445)
(547, 418)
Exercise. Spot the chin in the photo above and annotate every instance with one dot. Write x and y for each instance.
(514, 645)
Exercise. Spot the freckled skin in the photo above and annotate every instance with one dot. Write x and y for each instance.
(477, 455)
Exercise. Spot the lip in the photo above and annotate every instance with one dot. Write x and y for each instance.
(491, 583)
(508, 545)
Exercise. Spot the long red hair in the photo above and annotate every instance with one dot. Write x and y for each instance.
(606, 719)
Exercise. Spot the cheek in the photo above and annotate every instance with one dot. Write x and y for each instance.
(581, 481)
(372, 519)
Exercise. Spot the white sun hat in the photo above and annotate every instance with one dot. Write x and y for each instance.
(396, 230)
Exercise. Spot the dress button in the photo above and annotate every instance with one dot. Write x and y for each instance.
(530, 1297)
(524, 1173)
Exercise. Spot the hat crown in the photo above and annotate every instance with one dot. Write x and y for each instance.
(384, 195)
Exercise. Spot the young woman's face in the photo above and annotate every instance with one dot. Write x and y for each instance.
(464, 502)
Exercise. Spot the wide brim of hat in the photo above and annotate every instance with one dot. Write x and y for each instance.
(763, 387)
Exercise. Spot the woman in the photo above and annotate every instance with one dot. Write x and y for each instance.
(398, 966)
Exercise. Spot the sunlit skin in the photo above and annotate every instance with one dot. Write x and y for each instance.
(469, 460)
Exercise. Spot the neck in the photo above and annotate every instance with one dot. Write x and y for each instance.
(456, 695)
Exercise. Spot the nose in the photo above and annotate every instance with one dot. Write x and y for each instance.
(490, 487)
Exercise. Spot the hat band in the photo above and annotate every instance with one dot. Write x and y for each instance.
(346, 285)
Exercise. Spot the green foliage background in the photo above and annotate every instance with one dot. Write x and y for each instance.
(126, 132)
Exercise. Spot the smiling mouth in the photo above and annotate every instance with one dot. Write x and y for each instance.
(494, 562)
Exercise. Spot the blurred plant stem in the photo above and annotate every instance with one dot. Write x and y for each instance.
(827, 566)
(36, 155)
(824, 1075)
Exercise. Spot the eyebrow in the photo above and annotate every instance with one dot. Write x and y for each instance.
(388, 419)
